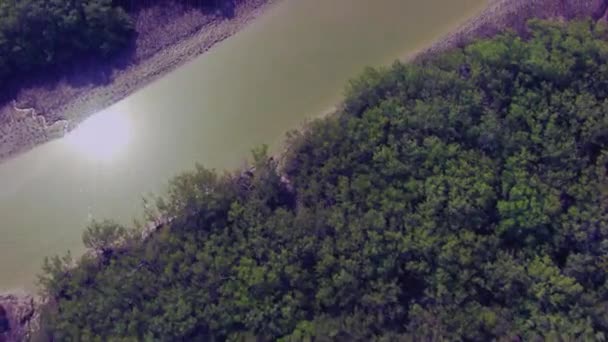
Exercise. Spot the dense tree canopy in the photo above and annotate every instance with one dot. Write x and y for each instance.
(461, 199)
(40, 33)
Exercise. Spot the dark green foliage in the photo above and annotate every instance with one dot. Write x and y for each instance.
(36, 34)
(462, 199)
(39, 35)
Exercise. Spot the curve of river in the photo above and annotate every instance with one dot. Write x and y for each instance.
(290, 64)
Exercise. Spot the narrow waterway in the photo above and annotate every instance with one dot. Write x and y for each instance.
(289, 65)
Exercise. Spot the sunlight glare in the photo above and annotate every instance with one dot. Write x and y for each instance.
(103, 136)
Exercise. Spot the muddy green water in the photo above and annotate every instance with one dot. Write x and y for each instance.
(289, 65)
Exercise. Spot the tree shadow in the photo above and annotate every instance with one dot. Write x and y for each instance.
(91, 70)
(85, 70)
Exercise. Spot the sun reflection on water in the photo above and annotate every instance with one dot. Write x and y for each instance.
(103, 136)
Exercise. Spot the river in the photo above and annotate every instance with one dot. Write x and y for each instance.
(289, 65)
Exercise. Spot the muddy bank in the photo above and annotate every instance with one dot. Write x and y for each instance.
(19, 317)
(501, 15)
(167, 36)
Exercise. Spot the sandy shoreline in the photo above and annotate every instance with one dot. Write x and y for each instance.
(43, 113)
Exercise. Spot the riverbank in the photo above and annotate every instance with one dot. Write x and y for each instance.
(19, 316)
(167, 37)
(501, 15)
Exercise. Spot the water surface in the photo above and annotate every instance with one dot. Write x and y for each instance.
(289, 65)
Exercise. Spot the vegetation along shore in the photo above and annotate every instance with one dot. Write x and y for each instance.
(460, 197)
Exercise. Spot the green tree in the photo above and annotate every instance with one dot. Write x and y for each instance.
(103, 237)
